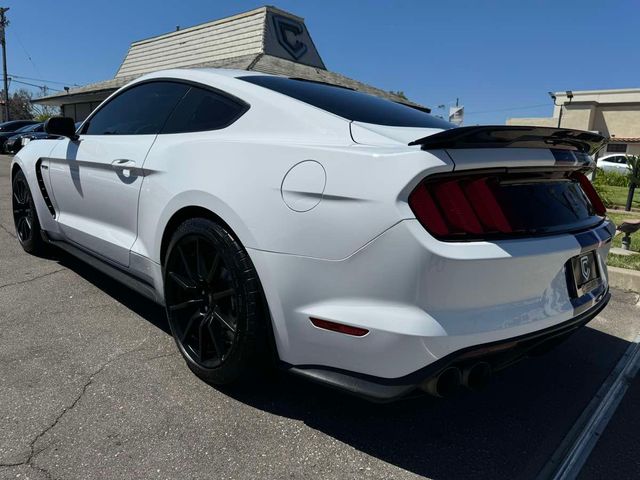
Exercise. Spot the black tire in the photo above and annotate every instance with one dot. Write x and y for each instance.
(213, 300)
(25, 216)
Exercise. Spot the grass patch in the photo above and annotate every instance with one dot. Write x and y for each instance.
(618, 218)
(624, 261)
(618, 195)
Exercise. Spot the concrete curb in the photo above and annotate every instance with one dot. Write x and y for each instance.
(624, 278)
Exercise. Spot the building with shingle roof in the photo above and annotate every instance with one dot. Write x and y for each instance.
(266, 39)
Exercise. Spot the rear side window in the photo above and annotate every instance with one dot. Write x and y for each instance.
(349, 104)
(140, 110)
(201, 110)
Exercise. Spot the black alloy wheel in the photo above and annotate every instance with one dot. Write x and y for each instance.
(211, 295)
(25, 217)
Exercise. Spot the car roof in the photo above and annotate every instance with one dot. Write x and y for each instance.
(19, 121)
(621, 154)
(186, 73)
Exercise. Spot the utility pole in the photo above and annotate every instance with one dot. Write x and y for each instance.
(3, 25)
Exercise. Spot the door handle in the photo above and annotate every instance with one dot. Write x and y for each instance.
(125, 165)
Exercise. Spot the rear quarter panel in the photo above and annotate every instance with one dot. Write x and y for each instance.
(240, 179)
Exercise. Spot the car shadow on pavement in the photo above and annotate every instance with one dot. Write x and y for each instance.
(140, 305)
(508, 430)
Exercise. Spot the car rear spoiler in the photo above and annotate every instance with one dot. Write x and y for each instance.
(500, 136)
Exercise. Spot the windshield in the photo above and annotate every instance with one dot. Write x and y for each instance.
(349, 104)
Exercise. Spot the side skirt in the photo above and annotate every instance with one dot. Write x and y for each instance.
(115, 272)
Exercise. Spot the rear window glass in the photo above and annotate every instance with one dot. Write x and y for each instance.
(202, 110)
(349, 104)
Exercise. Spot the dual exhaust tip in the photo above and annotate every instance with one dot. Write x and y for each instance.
(449, 380)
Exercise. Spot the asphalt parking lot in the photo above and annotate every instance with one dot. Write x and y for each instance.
(92, 386)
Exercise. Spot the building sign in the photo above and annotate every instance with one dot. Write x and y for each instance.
(289, 35)
(286, 36)
(456, 115)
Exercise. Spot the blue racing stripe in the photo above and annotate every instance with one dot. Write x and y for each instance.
(592, 239)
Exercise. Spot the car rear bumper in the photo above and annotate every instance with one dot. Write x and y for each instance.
(498, 354)
(422, 300)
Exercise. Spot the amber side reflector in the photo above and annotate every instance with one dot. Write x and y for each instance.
(339, 327)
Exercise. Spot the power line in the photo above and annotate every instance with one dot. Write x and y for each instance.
(43, 80)
(26, 53)
(43, 87)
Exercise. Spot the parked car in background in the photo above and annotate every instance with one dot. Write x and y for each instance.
(27, 134)
(14, 125)
(5, 135)
(613, 163)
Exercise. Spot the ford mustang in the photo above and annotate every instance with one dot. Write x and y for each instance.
(358, 242)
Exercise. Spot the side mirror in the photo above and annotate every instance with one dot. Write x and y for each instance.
(63, 126)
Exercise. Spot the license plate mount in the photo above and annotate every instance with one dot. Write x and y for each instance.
(585, 273)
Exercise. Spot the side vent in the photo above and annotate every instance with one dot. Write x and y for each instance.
(43, 189)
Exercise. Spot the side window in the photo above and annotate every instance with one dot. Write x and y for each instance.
(140, 110)
(202, 110)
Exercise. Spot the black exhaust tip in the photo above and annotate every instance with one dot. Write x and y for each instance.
(477, 376)
(445, 384)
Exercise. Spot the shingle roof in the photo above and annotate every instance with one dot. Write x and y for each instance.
(237, 36)
(624, 140)
(266, 40)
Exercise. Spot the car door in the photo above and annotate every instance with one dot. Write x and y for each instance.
(621, 164)
(609, 164)
(96, 179)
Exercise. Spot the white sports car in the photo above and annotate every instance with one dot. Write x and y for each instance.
(359, 242)
(614, 163)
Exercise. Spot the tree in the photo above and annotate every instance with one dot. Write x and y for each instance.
(633, 164)
(399, 93)
(42, 113)
(21, 108)
(19, 104)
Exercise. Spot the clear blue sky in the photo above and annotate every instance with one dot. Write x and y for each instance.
(499, 57)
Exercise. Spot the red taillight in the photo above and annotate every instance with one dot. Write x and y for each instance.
(427, 212)
(590, 191)
(456, 208)
(485, 203)
(459, 207)
(339, 327)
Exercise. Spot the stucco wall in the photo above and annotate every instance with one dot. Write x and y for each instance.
(534, 121)
(611, 112)
(621, 121)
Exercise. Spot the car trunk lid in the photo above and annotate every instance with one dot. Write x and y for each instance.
(509, 182)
